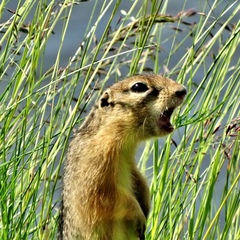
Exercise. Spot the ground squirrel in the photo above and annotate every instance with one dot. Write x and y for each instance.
(105, 197)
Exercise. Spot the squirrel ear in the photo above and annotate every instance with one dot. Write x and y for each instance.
(105, 100)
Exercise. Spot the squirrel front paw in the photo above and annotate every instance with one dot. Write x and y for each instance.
(141, 227)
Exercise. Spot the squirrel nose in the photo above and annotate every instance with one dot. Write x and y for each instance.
(180, 93)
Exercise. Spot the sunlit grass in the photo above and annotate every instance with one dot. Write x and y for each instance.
(194, 173)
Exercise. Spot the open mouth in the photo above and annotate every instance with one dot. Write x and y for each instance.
(164, 120)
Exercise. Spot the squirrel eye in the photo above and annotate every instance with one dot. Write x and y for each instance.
(139, 87)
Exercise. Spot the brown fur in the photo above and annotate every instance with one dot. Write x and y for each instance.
(105, 197)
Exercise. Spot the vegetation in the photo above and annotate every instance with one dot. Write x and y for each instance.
(194, 173)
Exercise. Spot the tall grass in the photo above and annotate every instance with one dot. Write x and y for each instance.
(193, 174)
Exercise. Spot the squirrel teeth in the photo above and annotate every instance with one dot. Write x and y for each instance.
(164, 120)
